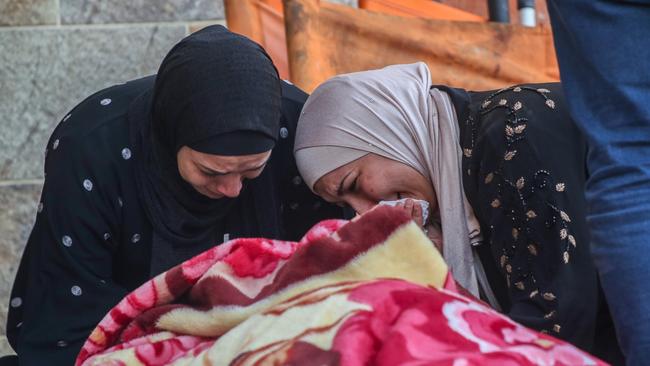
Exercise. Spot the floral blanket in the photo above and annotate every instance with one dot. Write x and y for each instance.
(373, 291)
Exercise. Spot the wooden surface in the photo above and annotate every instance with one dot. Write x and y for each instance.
(311, 41)
(326, 39)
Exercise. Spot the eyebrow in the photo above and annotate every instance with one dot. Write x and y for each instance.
(212, 171)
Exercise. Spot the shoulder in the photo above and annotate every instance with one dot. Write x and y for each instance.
(95, 133)
(102, 107)
(292, 94)
(293, 99)
(519, 139)
(538, 109)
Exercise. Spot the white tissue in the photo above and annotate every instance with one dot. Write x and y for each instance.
(424, 204)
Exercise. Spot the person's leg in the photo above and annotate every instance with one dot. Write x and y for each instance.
(603, 49)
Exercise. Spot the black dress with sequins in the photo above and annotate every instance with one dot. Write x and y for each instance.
(524, 175)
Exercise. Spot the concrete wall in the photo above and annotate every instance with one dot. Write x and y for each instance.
(53, 53)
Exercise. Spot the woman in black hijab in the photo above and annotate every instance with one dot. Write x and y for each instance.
(144, 175)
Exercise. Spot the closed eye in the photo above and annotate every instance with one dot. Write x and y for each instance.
(353, 185)
(255, 173)
(210, 174)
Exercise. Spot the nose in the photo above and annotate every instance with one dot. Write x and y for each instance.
(360, 205)
(230, 186)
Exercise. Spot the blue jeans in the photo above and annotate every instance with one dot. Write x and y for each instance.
(603, 48)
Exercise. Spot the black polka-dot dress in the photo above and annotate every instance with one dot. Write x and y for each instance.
(91, 243)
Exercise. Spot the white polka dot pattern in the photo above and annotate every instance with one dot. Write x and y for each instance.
(126, 153)
(16, 302)
(88, 185)
(76, 290)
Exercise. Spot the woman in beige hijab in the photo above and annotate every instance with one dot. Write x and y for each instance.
(502, 173)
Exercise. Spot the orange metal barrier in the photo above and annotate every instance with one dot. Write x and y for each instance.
(326, 39)
(419, 9)
(263, 22)
(273, 33)
(242, 17)
(480, 8)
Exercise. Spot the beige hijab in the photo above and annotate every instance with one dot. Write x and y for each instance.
(393, 112)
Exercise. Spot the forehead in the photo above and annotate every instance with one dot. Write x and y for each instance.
(229, 162)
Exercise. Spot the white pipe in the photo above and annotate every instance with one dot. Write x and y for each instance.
(527, 17)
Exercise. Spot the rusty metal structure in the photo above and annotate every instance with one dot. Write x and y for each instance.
(311, 41)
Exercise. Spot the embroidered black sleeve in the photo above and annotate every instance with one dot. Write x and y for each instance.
(521, 203)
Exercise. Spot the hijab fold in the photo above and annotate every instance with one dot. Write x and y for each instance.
(395, 113)
(211, 85)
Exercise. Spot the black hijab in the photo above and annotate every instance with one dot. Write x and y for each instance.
(214, 87)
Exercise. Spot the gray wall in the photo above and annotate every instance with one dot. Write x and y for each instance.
(53, 53)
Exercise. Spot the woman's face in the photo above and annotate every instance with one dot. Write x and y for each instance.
(217, 176)
(364, 182)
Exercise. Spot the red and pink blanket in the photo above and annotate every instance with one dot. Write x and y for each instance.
(373, 291)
